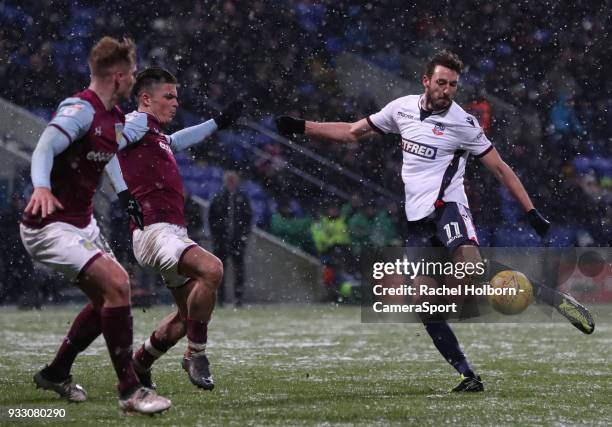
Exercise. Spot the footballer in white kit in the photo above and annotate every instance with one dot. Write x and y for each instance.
(437, 137)
(435, 146)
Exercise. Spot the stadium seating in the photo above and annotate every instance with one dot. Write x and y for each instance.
(356, 30)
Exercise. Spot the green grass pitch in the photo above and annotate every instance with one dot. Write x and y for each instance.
(279, 365)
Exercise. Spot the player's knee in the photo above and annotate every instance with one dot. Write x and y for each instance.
(211, 272)
(216, 271)
(117, 290)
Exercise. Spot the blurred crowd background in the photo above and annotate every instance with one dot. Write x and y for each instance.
(535, 76)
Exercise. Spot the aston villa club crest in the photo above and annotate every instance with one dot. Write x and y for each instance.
(87, 244)
(118, 131)
(438, 129)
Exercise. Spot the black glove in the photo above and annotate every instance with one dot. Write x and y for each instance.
(132, 207)
(287, 125)
(538, 222)
(229, 115)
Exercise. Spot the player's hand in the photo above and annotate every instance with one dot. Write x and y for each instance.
(287, 125)
(538, 222)
(132, 207)
(43, 199)
(229, 115)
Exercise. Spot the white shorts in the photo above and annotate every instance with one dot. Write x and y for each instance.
(160, 247)
(64, 247)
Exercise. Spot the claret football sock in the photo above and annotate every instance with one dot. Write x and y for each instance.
(446, 342)
(197, 334)
(118, 333)
(84, 330)
(151, 350)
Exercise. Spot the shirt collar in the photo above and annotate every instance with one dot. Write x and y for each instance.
(429, 112)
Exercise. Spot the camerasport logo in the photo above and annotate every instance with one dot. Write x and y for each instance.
(438, 129)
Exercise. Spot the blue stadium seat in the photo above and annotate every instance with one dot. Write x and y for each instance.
(67, 56)
(193, 187)
(390, 62)
(559, 236)
(231, 142)
(519, 236)
(183, 160)
(260, 140)
(83, 16)
(602, 165)
(188, 118)
(334, 45)
(485, 236)
(511, 210)
(310, 16)
(14, 15)
(203, 189)
(260, 202)
(188, 171)
(582, 164)
(216, 172)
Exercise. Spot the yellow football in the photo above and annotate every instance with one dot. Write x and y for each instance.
(511, 292)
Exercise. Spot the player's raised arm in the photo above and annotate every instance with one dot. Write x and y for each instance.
(508, 178)
(334, 131)
(187, 137)
(73, 119)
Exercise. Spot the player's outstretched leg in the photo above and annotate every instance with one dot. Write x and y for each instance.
(206, 272)
(577, 314)
(193, 299)
(56, 376)
(568, 307)
(447, 344)
(106, 281)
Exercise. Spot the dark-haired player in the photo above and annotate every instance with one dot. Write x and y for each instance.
(148, 172)
(58, 228)
(437, 136)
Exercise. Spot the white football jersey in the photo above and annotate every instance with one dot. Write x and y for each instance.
(435, 149)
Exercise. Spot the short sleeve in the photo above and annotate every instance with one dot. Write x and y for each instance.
(474, 139)
(73, 118)
(384, 122)
(136, 127)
